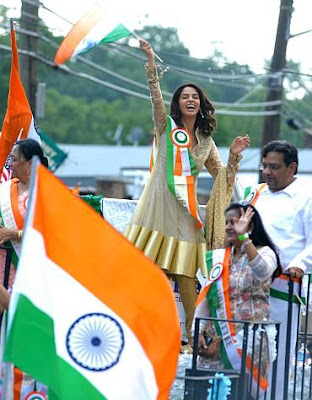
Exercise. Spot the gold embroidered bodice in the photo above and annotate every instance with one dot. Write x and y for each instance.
(205, 151)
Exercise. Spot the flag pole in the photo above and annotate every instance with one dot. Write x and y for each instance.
(20, 134)
(138, 37)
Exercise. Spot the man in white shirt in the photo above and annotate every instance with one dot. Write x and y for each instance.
(285, 206)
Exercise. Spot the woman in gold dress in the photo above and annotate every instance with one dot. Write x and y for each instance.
(166, 225)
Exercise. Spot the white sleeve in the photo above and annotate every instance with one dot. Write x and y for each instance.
(303, 259)
(264, 264)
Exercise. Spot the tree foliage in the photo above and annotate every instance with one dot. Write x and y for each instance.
(81, 111)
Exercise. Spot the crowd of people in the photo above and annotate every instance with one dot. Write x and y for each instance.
(260, 243)
(266, 240)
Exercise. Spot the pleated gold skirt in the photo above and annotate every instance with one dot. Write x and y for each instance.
(173, 255)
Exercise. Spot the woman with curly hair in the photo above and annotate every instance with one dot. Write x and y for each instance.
(166, 224)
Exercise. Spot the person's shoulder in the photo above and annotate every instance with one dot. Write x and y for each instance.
(301, 188)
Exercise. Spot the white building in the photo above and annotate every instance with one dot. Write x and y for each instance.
(86, 164)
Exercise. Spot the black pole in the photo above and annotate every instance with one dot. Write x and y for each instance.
(6, 270)
(28, 68)
(271, 128)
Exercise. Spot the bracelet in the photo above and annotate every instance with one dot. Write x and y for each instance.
(243, 237)
(243, 246)
(19, 235)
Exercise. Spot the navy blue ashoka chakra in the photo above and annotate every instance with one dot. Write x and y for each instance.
(95, 341)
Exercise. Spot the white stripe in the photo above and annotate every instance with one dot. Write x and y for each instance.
(228, 340)
(7, 213)
(186, 166)
(96, 34)
(65, 300)
(282, 285)
(175, 152)
(181, 190)
(32, 132)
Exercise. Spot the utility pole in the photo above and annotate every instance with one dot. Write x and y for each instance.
(271, 126)
(28, 70)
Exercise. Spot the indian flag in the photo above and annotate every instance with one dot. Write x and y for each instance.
(18, 122)
(98, 25)
(90, 316)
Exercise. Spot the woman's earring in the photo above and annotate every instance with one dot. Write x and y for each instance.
(201, 113)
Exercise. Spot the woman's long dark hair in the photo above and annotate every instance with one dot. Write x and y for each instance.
(258, 235)
(205, 119)
(28, 148)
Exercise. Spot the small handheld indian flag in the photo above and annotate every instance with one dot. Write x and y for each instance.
(98, 25)
(101, 316)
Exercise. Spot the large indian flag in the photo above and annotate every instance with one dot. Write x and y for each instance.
(18, 122)
(90, 316)
(98, 25)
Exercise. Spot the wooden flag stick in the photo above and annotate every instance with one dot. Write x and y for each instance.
(20, 134)
(138, 37)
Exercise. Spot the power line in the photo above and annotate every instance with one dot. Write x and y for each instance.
(91, 78)
(107, 71)
(142, 86)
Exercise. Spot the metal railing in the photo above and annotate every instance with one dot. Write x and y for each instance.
(245, 380)
(297, 381)
(298, 371)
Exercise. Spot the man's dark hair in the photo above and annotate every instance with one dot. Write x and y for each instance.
(281, 146)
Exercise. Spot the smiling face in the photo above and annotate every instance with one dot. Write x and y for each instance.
(231, 217)
(275, 172)
(189, 102)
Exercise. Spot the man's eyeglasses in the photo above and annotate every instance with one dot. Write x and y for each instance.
(272, 167)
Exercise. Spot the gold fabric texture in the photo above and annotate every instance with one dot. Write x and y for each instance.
(161, 227)
(215, 220)
(174, 256)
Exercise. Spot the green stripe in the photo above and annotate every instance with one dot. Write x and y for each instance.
(118, 33)
(247, 191)
(209, 263)
(170, 171)
(212, 298)
(284, 296)
(30, 345)
(194, 170)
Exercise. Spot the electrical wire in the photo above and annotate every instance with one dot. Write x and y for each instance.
(142, 86)
(93, 79)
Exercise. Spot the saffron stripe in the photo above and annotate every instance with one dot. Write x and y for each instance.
(178, 163)
(14, 202)
(117, 250)
(18, 380)
(78, 32)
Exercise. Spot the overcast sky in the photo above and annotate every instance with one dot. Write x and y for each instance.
(243, 30)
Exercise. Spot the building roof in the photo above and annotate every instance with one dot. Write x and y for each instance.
(98, 160)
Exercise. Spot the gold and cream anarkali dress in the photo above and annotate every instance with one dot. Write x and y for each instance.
(161, 226)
